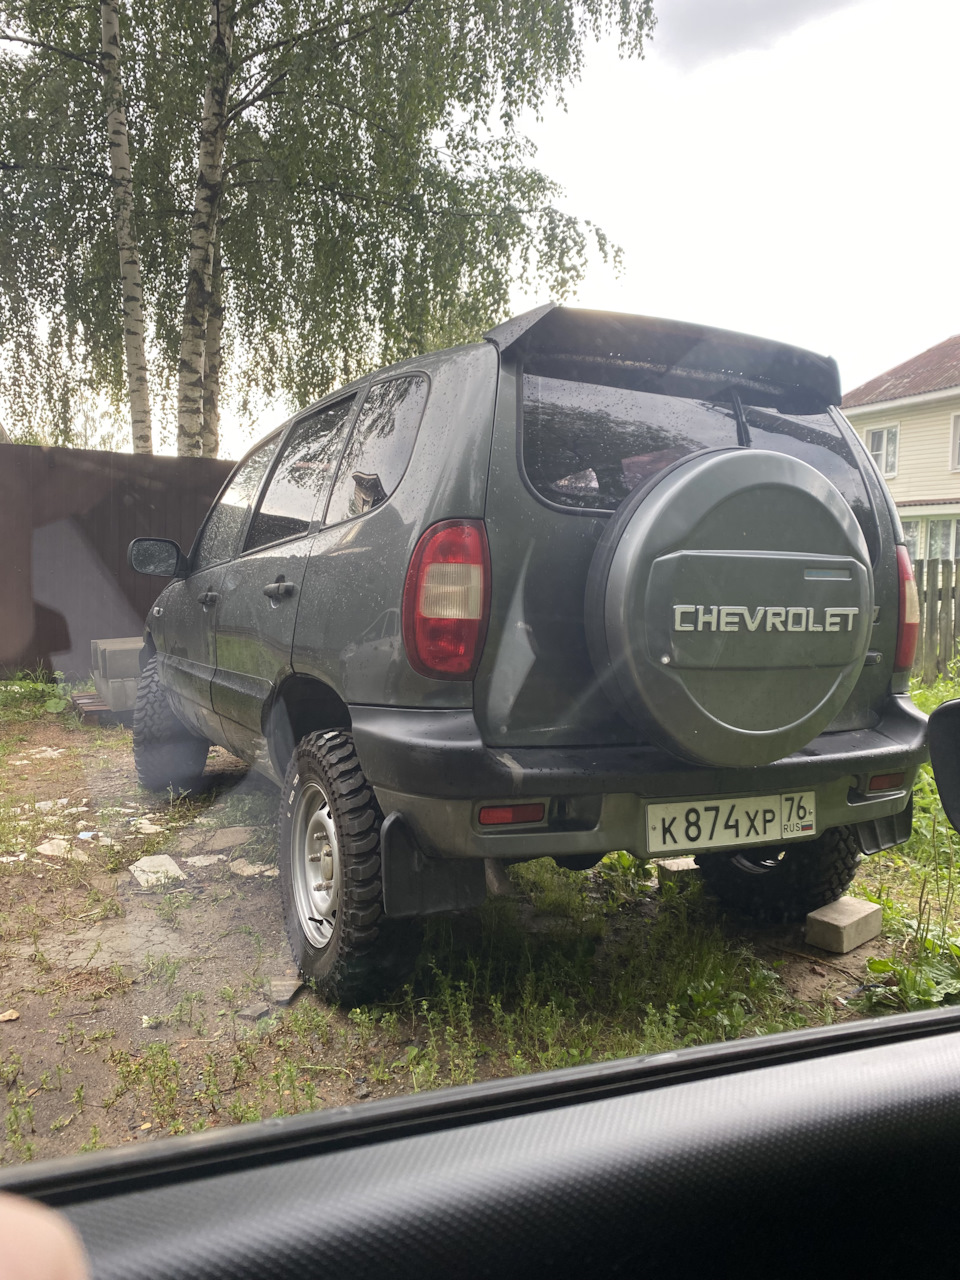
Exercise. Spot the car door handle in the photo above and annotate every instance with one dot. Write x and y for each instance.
(207, 597)
(279, 590)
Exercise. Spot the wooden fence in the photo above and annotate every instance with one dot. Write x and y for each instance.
(938, 586)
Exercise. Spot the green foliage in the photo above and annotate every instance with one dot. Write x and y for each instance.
(378, 200)
(30, 696)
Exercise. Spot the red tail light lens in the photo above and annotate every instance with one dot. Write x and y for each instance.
(446, 600)
(503, 815)
(908, 630)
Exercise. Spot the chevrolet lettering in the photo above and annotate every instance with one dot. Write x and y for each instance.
(594, 582)
(731, 617)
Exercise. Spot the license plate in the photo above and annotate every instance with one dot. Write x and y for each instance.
(720, 824)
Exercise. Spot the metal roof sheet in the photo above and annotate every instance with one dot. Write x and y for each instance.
(936, 369)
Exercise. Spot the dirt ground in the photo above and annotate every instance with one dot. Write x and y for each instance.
(132, 1010)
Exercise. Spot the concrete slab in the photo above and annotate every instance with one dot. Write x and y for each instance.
(156, 869)
(843, 925)
(230, 838)
(283, 990)
(673, 870)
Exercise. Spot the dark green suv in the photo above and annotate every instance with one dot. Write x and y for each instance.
(597, 582)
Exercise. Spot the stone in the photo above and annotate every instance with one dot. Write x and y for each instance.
(58, 847)
(156, 869)
(204, 859)
(283, 990)
(252, 1012)
(842, 925)
(10, 1016)
(147, 828)
(674, 870)
(187, 841)
(230, 838)
(241, 867)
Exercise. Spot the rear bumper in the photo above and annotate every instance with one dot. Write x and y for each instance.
(432, 767)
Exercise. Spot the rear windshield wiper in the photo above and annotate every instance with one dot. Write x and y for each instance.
(743, 432)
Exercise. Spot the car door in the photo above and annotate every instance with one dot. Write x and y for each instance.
(187, 656)
(259, 591)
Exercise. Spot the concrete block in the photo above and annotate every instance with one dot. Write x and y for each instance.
(118, 694)
(842, 925)
(117, 659)
(675, 870)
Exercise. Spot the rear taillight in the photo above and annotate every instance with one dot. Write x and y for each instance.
(446, 600)
(908, 628)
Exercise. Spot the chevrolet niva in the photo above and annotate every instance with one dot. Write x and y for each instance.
(597, 582)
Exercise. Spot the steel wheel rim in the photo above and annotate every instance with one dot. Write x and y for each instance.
(758, 864)
(316, 865)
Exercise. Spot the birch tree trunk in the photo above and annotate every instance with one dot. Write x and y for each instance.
(121, 174)
(211, 363)
(203, 231)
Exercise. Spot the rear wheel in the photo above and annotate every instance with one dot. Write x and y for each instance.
(330, 875)
(778, 884)
(167, 755)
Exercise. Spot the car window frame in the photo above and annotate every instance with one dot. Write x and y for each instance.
(191, 557)
(372, 385)
(359, 396)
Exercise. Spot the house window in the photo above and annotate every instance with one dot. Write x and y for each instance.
(955, 444)
(940, 540)
(912, 539)
(882, 443)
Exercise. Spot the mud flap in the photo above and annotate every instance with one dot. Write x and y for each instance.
(417, 885)
(884, 833)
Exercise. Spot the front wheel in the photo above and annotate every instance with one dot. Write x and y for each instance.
(780, 884)
(167, 755)
(330, 874)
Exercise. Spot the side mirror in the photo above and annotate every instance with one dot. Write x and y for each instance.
(159, 556)
(943, 738)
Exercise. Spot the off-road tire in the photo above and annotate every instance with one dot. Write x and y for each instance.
(167, 755)
(364, 953)
(779, 884)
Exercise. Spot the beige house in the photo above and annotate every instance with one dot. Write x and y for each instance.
(909, 419)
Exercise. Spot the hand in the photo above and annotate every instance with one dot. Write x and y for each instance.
(36, 1243)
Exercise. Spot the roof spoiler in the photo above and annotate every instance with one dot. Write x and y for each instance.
(668, 357)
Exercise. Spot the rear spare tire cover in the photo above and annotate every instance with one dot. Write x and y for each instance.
(729, 606)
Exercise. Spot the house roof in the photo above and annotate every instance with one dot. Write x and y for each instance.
(933, 370)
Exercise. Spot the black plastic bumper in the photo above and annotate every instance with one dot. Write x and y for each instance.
(440, 754)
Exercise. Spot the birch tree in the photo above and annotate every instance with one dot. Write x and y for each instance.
(131, 280)
(319, 186)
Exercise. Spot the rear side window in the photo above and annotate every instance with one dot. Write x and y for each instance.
(218, 541)
(587, 447)
(379, 448)
(302, 477)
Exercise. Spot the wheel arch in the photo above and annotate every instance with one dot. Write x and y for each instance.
(301, 705)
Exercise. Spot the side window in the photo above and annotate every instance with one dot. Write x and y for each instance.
(882, 444)
(220, 534)
(379, 449)
(302, 477)
(911, 537)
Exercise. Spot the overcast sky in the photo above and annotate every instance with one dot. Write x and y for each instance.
(781, 167)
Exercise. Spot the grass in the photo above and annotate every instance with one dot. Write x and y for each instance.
(576, 967)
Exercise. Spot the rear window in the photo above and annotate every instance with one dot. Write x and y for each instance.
(586, 447)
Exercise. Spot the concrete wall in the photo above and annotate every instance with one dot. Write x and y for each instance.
(66, 518)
